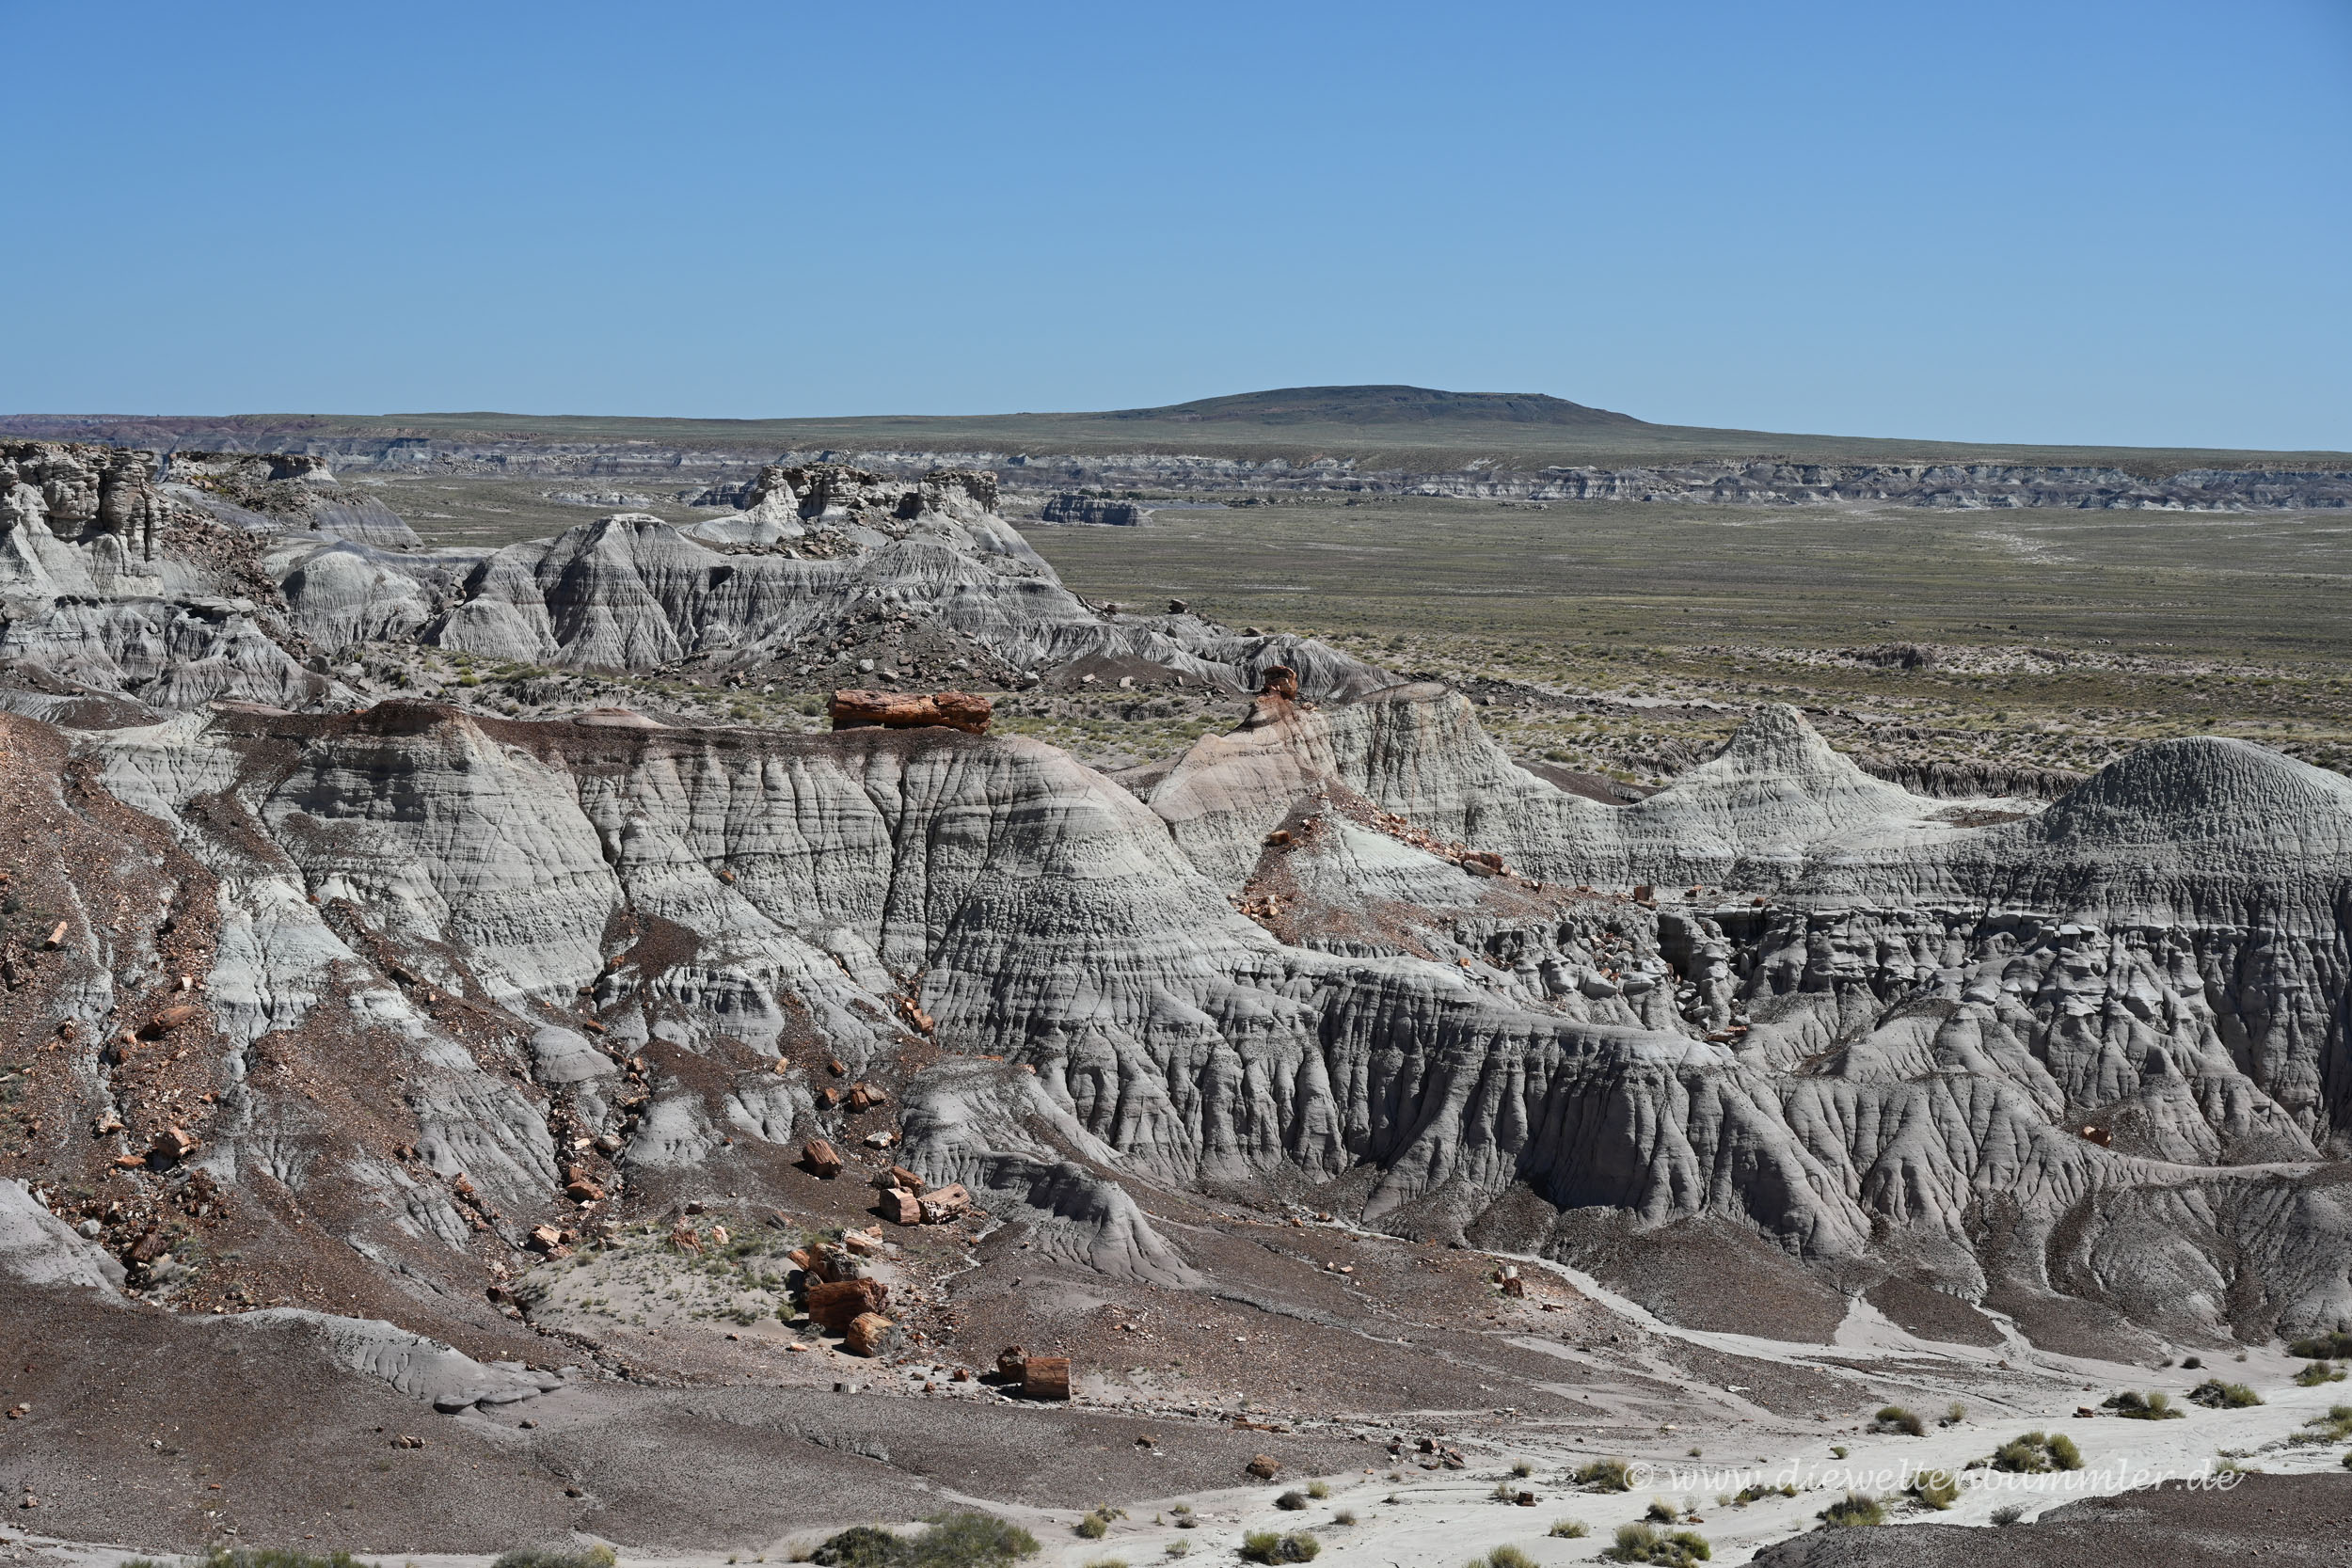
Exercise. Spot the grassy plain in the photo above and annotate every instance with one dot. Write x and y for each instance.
(2050, 639)
(1603, 633)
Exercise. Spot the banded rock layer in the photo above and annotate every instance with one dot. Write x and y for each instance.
(1343, 950)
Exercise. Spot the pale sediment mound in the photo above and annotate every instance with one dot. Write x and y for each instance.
(816, 552)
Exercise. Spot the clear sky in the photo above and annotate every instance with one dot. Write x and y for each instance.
(2063, 220)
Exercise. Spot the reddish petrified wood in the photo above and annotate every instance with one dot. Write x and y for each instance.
(906, 710)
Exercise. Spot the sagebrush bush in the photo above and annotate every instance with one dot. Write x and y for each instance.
(1935, 1489)
(1266, 1545)
(1292, 1500)
(1605, 1475)
(1570, 1530)
(1893, 1418)
(948, 1541)
(1318, 1490)
(2336, 1346)
(278, 1557)
(2154, 1406)
(2037, 1453)
(1645, 1543)
(1853, 1512)
(2216, 1395)
(2319, 1372)
(555, 1557)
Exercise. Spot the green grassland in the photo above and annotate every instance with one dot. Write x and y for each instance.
(2053, 639)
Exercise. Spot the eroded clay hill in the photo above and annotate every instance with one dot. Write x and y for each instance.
(370, 1009)
(413, 973)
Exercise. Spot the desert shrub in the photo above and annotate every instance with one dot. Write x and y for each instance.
(541, 1556)
(2008, 1513)
(1893, 1418)
(859, 1547)
(1266, 1545)
(2216, 1395)
(1179, 1548)
(1955, 1414)
(280, 1557)
(1318, 1490)
(1344, 1516)
(1570, 1530)
(1751, 1491)
(1647, 1542)
(948, 1541)
(1505, 1493)
(1522, 1469)
(1093, 1527)
(1663, 1512)
(2334, 1427)
(1936, 1489)
(1851, 1511)
(2037, 1453)
(2319, 1372)
(2156, 1406)
(1106, 1562)
(968, 1541)
(1605, 1475)
(1293, 1500)
(2322, 1347)
(1503, 1556)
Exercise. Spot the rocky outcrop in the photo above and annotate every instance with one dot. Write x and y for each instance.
(100, 502)
(273, 493)
(1073, 507)
(817, 557)
(108, 583)
(2087, 1051)
(954, 710)
(716, 472)
(1345, 947)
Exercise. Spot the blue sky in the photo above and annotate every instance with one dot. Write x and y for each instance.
(2114, 223)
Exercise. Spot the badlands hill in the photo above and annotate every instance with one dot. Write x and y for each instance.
(1338, 1091)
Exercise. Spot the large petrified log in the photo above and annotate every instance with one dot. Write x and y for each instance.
(957, 710)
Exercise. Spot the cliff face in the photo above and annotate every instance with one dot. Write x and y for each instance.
(815, 555)
(1345, 948)
(424, 973)
(715, 474)
(112, 584)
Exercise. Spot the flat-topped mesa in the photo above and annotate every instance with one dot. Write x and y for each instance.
(896, 710)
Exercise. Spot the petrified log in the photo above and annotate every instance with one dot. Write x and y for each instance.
(820, 1158)
(1045, 1377)
(836, 1302)
(1280, 680)
(869, 1333)
(943, 1204)
(896, 710)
